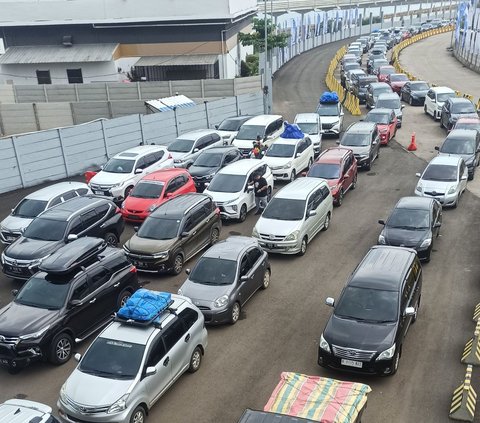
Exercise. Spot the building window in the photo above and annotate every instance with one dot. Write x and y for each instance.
(43, 77)
(74, 76)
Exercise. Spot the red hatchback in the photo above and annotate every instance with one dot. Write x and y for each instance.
(386, 121)
(339, 167)
(397, 81)
(384, 71)
(154, 189)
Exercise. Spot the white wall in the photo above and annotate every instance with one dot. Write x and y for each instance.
(92, 72)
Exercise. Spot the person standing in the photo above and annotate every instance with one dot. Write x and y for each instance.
(260, 187)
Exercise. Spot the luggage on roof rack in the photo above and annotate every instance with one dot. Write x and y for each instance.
(329, 97)
(144, 307)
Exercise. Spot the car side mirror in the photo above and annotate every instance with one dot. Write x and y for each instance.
(402, 107)
(138, 171)
(374, 142)
(298, 155)
(330, 302)
(196, 150)
(418, 175)
(433, 100)
(216, 126)
(381, 221)
(75, 303)
(72, 237)
(77, 357)
(150, 371)
(244, 278)
(337, 142)
(410, 311)
(464, 177)
(136, 228)
(14, 292)
(185, 234)
(187, 271)
(101, 167)
(437, 148)
(168, 195)
(249, 189)
(437, 224)
(312, 213)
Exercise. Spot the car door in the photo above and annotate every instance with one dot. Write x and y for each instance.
(105, 291)
(346, 173)
(157, 357)
(248, 192)
(244, 281)
(463, 172)
(308, 155)
(298, 157)
(90, 223)
(375, 143)
(182, 186)
(392, 126)
(407, 299)
(325, 203)
(312, 224)
(257, 258)
(177, 344)
(429, 101)
(436, 219)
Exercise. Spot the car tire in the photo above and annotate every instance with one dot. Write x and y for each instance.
(127, 192)
(354, 183)
(326, 224)
(340, 198)
(310, 162)
(415, 316)
(111, 239)
(243, 213)
(139, 415)
(177, 265)
(214, 236)
(368, 166)
(396, 361)
(303, 246)
(61, 348)
(293, 175)
(410, 101)
(266, 279)
(235, 313)
(195, 360)
(123, 297)
(472, 175)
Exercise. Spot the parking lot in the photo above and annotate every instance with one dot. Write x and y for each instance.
(280, 327)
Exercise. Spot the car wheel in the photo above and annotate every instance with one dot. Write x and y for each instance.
(471, 175)
(340, 198)
(111, 239)
(368, 166)
(410, 101)
(214, 235)
(396, 361)
(235, 313)
(293, 175)
(266, 279)
(354, 183)
(123, 298)
(243, 213)
(414, 318)
(128, 190)
(177, 264)
(310, 162)
(61, 348)
(195, 360)
(303, 246)
(139, 415)
(326, 224)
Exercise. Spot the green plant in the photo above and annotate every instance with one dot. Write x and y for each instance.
(257, 37)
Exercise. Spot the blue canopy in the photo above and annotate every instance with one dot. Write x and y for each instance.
(292, 132)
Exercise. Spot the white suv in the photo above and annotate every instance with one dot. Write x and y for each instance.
(120, 174)
(294, 216)
(310, 124)
(230, 187)
(131, 364)
(435, 99)
(24, 411)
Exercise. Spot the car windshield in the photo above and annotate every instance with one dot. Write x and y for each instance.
(223, 182)
(119, 166)
(463, 108)
(310, 128)
(468, 125)
(398, 78)
(280, 150)
(43, 293)
(388, 103)
(46, 229)
(355, 140)
(29, 208)
(159, 228)
(442, 97)
(181, 146)
(285, 209)
(214, 271)
(230, 125)
(379, 90)
(365, 82)
(325, 171)
(208, 159)
(387, 71)
(437, 172)
(147, 189)
(370, 305)
(458, 146)
(419, 86)
(112, 359)
(327, 109)
(412, 219)
(250, 132)
(381, 118)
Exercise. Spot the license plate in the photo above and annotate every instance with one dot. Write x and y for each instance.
(351, 363)
(98, 192)
(4, 361)
(140, 263)
(14, 269)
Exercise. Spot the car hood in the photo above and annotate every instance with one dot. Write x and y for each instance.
(140, 204)
(31, 249)
(202, 171)
(209, 293)
(358, 149)
(329, 119)
(359, 335)
(107, 178)
(276, 161)
(456, 116)
(93, 390)
(221, 197)
(149, 246)
(466, 157)
(18, 319)
(179, 155)
(277, 227)
(419, 93)
(14, 223)
(404, 237)
(438, 186)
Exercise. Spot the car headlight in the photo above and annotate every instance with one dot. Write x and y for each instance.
(470, 160)
(293, 236)
(37, 262)
(426, 243)
(116, 185)
(35, 335)
(221, 302)
(324, 344)
(255, 233)
(63, 394)
(161, 255)
(180, 292)
(287, 165)
(387, 354)
(209, 176)
(119, 405)
(123, 205)
(152, 208)
(381, 239)
(418, 188)
(452, 190)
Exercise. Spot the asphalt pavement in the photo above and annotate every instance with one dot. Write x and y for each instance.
(280, 327)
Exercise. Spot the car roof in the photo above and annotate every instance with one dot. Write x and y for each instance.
(132, 153)
(164, 174)
(241, 167)
(72, 207)
(241, 117)
(231, 248)
(177, 206)
(445, 160)
(385, 67)
(306, 117)
(383, 267)
(262, 119)
(333, 155)
(219, 149)
(465, 134)
(414, 202)
(379, 85)
(300, 188)
(380, 111)
(388, 96)
(361, 127)
(197, 133)
(23, 411)
(439, 90)
(56, 189)
(457, 100)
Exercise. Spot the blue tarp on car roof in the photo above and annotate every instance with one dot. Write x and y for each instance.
(145, 305)
(292, 132)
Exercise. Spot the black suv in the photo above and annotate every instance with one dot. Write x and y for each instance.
(360, 84)
(455, 108)
(210, 161)
(367, 328)
(73, 295)
(81, 216)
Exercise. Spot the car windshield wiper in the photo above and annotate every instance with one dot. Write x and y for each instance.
(98, 373)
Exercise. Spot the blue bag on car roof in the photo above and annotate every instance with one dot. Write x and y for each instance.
(329, 97)
(292, 132)
(145, 305)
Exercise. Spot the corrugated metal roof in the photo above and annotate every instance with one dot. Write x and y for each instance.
(169, 103)
(180, 60)
(58, 54)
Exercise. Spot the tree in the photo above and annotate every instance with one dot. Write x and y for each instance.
(257, 37)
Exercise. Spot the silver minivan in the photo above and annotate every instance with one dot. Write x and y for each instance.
(294, 216)
(130, 365)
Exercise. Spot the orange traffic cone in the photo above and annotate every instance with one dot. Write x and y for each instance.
(413, 145)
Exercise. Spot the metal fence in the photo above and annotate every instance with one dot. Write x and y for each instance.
(30, 159)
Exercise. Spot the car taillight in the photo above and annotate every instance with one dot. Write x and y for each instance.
(217, 211)
(133, 269)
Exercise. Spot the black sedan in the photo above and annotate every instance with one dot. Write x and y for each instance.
(414, 92)
(414, 222)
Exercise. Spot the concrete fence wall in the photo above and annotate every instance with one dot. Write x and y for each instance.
(30, 159)
(466, 37)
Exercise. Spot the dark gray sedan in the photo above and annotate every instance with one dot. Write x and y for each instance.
(226, 277)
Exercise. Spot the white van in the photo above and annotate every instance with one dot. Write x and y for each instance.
(230, 187)
(434, 100)
(268, 127)
(310, 124)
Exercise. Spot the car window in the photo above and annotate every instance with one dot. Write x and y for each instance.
(102, 210)
(462, 169)
(214, 138)
(244, 266)
(69, 195)
(76, 226)
(172, 186)
(408, 290)
(157, 352)
(261, 170)
(98, 277)
(325, 192)
(270, 129)
(89, 218)
(180, 181)
(82, 191)
(55, 201)
(140, 163)
(173, 334)
(203, 142)
(231, 157)
(150, 160)
(254, 254)
(301, 147)
(158, 155)
(81, 290)
(189, 317)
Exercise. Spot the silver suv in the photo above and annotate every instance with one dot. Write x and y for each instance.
(130, 365)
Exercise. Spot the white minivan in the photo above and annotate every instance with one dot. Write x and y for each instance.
(268, 127)
(311, 125)
(434, 100)
(294, 216)
(230, 187)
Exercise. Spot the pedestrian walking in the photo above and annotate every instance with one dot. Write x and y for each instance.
(260, 187)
